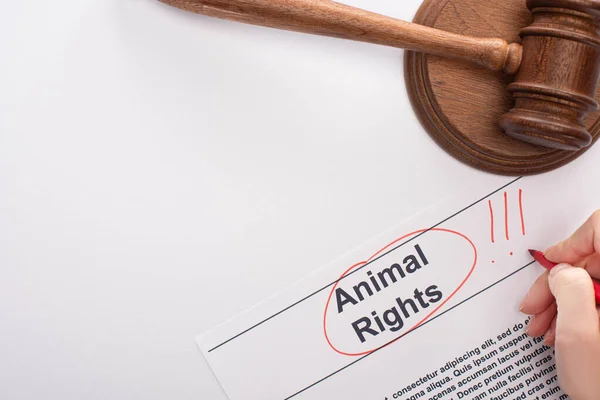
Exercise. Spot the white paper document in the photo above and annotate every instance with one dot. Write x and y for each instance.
(427, 310)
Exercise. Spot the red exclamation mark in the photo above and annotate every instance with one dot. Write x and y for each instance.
(521, 211)
(491, 220)
(506, 215)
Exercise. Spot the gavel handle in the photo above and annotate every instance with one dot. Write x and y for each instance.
(328, 18)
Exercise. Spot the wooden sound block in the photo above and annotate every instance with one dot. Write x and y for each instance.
(460, 105)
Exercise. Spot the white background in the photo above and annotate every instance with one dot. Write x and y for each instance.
(161, 172)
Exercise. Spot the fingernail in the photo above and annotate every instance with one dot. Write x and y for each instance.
(528, 327)
(522, 305)
(547, 340)
(552, 248)
(558, 268)
(524, 302)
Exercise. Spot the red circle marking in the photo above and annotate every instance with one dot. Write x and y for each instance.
(361, 263)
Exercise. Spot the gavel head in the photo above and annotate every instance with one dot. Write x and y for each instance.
(556, 84)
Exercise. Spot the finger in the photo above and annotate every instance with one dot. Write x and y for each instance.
(584, 242)
(576, 306)
(540, 323)
(592, 265)
(539, 297)
(550, 336)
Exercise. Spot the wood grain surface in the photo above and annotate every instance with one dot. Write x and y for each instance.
(461, 105)
(329, 18)
(544, 112)
(558, 79)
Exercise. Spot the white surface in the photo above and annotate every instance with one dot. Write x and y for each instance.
(154, 163)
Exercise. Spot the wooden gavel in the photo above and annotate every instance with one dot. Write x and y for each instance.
(557, 66)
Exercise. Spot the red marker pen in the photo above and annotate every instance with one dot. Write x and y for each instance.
(544, 262)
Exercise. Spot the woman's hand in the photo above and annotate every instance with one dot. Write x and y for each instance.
(563, 309)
